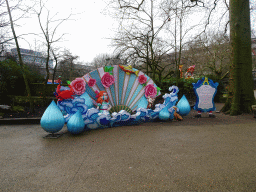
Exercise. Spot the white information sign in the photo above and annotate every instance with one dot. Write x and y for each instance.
(205, 95)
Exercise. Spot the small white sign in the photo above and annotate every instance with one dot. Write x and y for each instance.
(205, 95)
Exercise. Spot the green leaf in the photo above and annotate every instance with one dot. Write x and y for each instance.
(108, 68)
(158, 89)
(110, 73)
(68, 82)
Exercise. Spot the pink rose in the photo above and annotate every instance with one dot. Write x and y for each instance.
(107, 80)
(78, 86)
(142, 79)
(150, 90)
(91, 82)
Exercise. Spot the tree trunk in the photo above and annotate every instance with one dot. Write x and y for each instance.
(20, 59)
(241, 82)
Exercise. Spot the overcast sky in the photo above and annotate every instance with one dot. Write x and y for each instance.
(88, 32)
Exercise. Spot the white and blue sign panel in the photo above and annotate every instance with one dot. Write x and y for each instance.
(205, 90)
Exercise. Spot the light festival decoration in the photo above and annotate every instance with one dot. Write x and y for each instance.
(205, 90)
(124, 101)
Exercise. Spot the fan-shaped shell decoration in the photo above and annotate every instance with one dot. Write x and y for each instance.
(126, 93)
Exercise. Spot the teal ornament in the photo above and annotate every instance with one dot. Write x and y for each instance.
(76, 124)
(87, 99)
(52, 120)
(143, 103)
(164, 114)
(183, 106)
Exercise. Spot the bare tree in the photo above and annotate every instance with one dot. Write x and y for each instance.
(179, 28)
(67, 66)
(56, 54)
(20, 61)
(138, 37)
(241, 95)
(210, 53)
(101, 60)
(49, 29)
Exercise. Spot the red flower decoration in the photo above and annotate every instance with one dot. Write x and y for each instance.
(97, 94)
(150, 90)
(78, 86)
(142, 79)
(107, 80)
(91, 82)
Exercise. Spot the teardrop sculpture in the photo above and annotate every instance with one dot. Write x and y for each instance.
(52, 120)
(87, 99)
(76, 124)
(183, 106)
(164, 114)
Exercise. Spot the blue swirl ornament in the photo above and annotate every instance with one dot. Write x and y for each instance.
(52, 120)
(76, 124)
(183, 106)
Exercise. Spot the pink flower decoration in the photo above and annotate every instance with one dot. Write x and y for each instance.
(107, 80)
(150, 90)
(142, 79)
(91, 82)
(78, 86)
(97, 94)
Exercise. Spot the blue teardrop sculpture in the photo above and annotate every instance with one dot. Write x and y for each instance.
(164, 114)
(76, 124)
(183, 106)
(88, 100)
(52, 120)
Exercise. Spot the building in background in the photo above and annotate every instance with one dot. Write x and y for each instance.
(32, 57)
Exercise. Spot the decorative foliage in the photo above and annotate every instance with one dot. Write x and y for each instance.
(78, 86)
(91, 82)
(158, 90)
(107, 80)
(109, 69)
(142, 79)
(150, 90)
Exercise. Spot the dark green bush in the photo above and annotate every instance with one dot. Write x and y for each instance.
(12, 81)
(24, 101)
(37, 89)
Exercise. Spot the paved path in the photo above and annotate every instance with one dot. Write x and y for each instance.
(171, 156)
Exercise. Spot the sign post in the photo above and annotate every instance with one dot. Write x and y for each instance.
(205, 90)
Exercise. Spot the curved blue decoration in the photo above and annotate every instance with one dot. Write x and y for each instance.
(76, 124)
(52, 120)
(81, 115)
(210, 84)
(88, 101)
(70, 107)
(183, 106)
